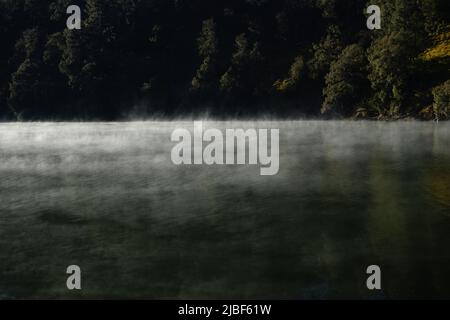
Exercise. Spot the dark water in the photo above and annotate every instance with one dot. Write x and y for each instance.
(106, 197)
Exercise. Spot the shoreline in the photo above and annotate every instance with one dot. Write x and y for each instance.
(220, 119)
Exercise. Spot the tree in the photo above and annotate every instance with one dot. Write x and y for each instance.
(324, 52)
(206, 75)
(390, 66)
(441, 101)
(346, 83)
(92, 56)
(3, 61)
(157, 53)
(296, 74)
(25, 87)
(435, 15)
(245, 61)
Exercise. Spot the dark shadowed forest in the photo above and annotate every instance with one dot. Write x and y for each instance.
(169, 58)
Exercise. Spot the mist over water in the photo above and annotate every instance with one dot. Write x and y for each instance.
(106, 197)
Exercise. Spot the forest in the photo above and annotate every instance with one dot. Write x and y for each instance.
(136, 59)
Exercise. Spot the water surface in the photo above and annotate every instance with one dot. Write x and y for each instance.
(106, 197)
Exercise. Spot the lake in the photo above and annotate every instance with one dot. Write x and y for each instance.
(106, 197)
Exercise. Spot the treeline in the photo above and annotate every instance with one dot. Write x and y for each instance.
(225, 58)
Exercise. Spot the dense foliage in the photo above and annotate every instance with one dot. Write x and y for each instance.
(137, 58)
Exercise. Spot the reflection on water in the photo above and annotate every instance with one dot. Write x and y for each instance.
(107, 198)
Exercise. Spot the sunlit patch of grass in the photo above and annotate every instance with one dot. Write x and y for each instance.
(441, 48)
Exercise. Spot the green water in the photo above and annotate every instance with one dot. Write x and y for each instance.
(107, 197)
